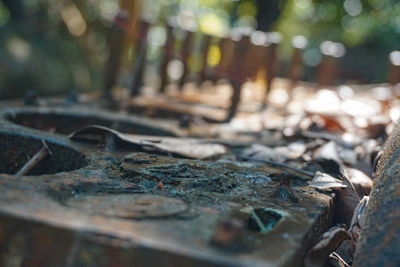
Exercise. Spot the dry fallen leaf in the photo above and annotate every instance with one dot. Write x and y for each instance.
(319, 255)
(324, 181)
(190, 148)
(362, 183)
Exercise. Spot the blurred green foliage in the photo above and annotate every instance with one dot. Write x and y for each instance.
(370, 29)
(39, 52)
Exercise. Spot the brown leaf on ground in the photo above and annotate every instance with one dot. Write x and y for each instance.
(319, 255)
(346, 201)
(361, 182)
(190, 148)
(346, 195)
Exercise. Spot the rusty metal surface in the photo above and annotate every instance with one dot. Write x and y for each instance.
(112, 210)
(68, 119)
(379, 240)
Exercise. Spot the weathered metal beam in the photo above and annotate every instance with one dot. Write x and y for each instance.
(380, 234)
(86, 207)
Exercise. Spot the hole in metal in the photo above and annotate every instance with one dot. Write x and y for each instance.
(263, 220)
(68, 122)
(17, 149)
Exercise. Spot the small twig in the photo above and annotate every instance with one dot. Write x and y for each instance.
(259, 222)
(35, 160)
(351, 186)
(277, 164)
(326, 136)
(341, 260)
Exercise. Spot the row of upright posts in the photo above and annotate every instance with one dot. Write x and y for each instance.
(243, 53)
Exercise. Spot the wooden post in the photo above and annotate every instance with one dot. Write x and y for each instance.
(226, 47)
(205, 47)
(328, 69)
(274, 38)
(256, 55)
(116, 41)
(140, 58)
(394, 67)
(296, 67)
(167, 55)
(185, 53)
(238, 71)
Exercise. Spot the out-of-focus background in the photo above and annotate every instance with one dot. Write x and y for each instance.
(54, 46)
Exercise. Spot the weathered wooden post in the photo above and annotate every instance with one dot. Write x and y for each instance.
(328, 69)
(257, 53)
(299, 43)
(185, 52)
(167, 53)
(205, 48)
(116, 42)
(394, 67)
(140, 58)
(226, 46)
(238, 71)
(274, 38)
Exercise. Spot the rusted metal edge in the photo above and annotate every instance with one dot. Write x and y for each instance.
(379, 240)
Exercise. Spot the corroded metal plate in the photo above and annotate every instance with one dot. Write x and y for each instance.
(129, 206)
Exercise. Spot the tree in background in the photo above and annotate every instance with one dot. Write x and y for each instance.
(369, 28)
(52, 46)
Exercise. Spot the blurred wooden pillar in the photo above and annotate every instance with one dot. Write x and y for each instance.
(116, 38)
(205, 49)
(227, 48)
(119, 40)
(134, 7)
(394, 68)
(274, 38)
(185, 53)
(238, 70)
(140, 58)
(328, 70)
(167, 55)
(257, 53)
(296, 67)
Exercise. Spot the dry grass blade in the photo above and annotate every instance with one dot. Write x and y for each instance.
(35, 160)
